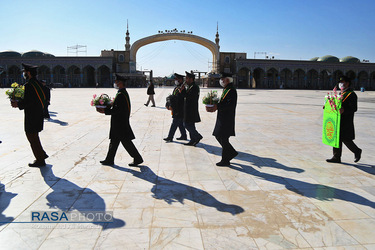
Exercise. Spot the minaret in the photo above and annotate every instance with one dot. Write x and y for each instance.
(127, 45)
(217, 36)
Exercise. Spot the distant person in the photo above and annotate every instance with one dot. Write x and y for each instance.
(175, 103)
(47, 92)
(347, 110)
(225, 121)
(120, 125)
(150, 93)
(191, 112)
(33, 105)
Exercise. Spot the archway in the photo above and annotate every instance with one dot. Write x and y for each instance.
(89, 76)
(44, 73)
(74, 76)
(14, 75)
(286, 78)
(243, 78)
(312, 79)
(258, 78)
(272, 76)
(363, 80)
(59, 75)
(174, 36)
(324, 80)
(372, 81)
(299, 79)
(104, 76)
(353, 79)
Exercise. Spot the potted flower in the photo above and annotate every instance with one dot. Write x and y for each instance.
(102, 101)
(210, 99)
(16, 93)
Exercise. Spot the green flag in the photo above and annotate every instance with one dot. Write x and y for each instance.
(331, 123)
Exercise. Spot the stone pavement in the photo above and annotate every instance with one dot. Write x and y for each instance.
(278, 193)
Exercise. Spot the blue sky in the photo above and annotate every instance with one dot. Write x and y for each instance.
(286, 29)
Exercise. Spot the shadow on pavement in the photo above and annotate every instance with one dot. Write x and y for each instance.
(255, 160)
(317, 191)
(370, 169)
(5, 198)
(67, 196)
(171, 191)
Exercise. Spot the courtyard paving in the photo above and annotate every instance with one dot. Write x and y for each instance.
(278, 193)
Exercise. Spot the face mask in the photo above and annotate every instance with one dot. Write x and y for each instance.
(24, 75)
(341, 85)
(115, 86)
(222, 84)
(176, 83)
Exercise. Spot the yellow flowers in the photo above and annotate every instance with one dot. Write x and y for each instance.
(17, 92)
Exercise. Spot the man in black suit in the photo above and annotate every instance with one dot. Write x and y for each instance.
(347, 135)
(120, 126)
(33, 105)
(225, 121)
(191, 113)
(175, 103)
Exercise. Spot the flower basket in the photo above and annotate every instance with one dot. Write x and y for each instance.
(102, 101)
(211, 98)
(16, 93)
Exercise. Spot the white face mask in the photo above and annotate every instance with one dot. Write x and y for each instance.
(115, 86)
(222, 84)
(24, 75)
(341, 85)
(176, 83)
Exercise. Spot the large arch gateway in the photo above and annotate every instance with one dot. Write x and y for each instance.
(214, 48)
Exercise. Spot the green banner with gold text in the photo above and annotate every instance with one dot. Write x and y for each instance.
(331, 124)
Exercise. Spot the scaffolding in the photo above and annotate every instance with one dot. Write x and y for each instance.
(76, 49)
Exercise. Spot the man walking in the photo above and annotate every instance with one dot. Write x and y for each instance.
(33, 105)
(225, 121)
(176, 104)
(347, 135)
(120, 126)
(191, 114)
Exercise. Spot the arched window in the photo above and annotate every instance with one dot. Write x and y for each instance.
(227, 59)
(121, 58)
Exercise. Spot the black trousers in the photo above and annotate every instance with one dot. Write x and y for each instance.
(36, 146)
(228, 152)
(128, 145)
(337, 152)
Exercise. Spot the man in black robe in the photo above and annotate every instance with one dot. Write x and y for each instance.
(191, 112)
(225, 121)
(347, 135)
(175, 103)
(33, 105)
(120, 126)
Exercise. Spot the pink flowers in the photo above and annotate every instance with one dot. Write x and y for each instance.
(102, 100)
(334, 99)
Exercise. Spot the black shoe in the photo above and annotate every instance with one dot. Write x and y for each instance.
(153, 106)
(37, 164)
(223, 163)
(182, 138)
(190, 143)
(136, 162)
(168, 139)
(357, 156)
(334, 160)
(197, 141)
(233, 155)
(45, 156)
(145, 104)
(107, 163)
